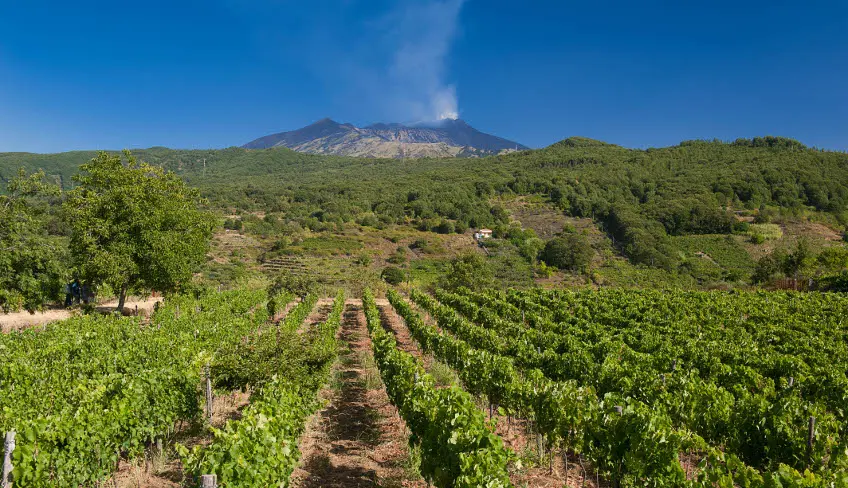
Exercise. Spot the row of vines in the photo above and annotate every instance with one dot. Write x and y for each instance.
(85, 393)
(634, 423)
(458, 448)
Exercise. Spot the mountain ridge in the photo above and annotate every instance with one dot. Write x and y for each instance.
(446, 138)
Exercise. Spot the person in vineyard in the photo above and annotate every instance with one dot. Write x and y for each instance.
(69, 297)
(76, 291)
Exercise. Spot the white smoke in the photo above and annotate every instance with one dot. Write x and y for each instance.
(445, 104)
(423, 32)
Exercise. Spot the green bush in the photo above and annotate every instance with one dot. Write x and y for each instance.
(398, 257)
(445, 227)
(393, 276)
(469, 271)
(570, 252)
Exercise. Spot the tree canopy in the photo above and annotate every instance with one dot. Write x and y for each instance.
(31, 270)
(570, 252)
(134, 226)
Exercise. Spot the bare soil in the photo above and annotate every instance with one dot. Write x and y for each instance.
(24, 320)
(358, 439)
(318, 315)
(395, 324)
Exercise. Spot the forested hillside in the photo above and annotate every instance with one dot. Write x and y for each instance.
(643, 201)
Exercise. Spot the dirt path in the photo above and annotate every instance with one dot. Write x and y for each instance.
(318, 315)
(358, 439)
(394, 323)
(281, 315)
(23, 320)
(515, 432)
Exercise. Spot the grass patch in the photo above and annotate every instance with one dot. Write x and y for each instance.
(442, 374)
(764, 232)
(724, 250)
(412, 463)
(426, 272)
(371, 375)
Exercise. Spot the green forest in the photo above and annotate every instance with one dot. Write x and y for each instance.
(657, 208)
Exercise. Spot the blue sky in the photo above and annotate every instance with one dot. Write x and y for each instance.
(218, 73)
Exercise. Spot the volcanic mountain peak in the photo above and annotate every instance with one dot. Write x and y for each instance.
(444, 138)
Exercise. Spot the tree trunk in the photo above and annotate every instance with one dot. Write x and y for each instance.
(122, 297)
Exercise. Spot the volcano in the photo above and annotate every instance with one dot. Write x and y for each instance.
(445, 138)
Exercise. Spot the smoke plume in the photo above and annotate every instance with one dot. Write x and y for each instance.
(421, 32)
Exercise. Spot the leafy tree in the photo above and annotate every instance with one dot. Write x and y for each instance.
(833, 259)
(445, 227)
(135, 227)
(799, 260)
(570, 252)
(31, 271)
(530, 249)
(300, 285)
(470, 271)
(769, 266)
(393, 276)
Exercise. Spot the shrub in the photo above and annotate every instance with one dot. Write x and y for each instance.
(368, 220)
(398, 257)
(363, 259)
(393, 276)
(741, 227)
(445, 227)
(469, 271)
(233, 224)
(570, 252)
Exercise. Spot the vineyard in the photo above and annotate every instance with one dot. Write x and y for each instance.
(743, 389)
(606, 388)
(84, 393)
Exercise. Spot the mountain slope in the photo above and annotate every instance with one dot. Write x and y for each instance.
(448, 138)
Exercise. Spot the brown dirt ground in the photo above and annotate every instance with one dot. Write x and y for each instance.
(24, 320)
(358, 439)
(516, 433)
(318, 315)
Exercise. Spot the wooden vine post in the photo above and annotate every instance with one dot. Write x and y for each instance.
(811, 437)
(209, 481)
(8, 447)
(208, 393)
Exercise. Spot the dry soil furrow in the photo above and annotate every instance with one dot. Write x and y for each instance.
(281, 315)
(318, 315)
(358, 439)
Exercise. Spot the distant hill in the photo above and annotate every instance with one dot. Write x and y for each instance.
(693, 212)
(447, 138)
